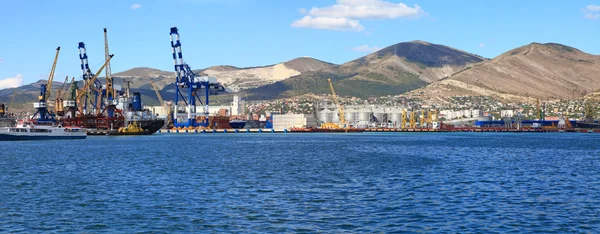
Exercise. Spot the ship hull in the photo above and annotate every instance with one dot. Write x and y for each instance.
(237, 124)
(6, 137)
(588, 125)
(104, 124)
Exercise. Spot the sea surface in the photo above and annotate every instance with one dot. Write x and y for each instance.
(333, 183)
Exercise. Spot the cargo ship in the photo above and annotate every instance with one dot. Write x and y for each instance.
(129, 110)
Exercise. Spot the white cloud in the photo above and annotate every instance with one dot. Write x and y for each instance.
(11, 82)
(136, 6)
(591, 16)
(592, 12)
(1, 60)
(366, 48)
(482, 45)
(367, 9)
(345, 14)
(341, 24)
(593, 8)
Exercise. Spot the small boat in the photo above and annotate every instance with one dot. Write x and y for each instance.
(132, 128)
(30, 131)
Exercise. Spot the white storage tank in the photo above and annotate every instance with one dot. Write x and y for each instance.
(351, 117)
(364, 115)
(396, 118)
(326, 116)
(335, 117)
(379, 115)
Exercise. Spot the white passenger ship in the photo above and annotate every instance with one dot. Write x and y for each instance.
(29, 131)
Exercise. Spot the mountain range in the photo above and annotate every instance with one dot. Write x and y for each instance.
(418, 68)
(545, 71)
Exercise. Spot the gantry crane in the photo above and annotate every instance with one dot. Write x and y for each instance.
(343, 123)
(165, 105)
(92, 91)
(42, 116)
(91, 81)
(58, 100)
(403, 124)
(422, 119)
(111, 102)
(187, 86)
(413, 122)
(429, 118)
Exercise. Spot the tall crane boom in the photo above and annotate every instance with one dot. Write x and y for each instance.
(12, 100)
(62, 87)
(51, 76)
(93, 79)
(337, 102)
(110, 91)
(42, 115)
(160, 99)
(188, 86)
(165, 105)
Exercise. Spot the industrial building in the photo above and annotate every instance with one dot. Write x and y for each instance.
(288, 121)
(235, 109)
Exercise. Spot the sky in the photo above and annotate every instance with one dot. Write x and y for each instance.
(246, 33)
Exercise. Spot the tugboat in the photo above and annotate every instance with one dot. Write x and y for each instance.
(29, 131)
(133, 128)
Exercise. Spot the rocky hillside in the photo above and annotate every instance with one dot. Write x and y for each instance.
(237, 79)
(536, 70)
(140, 77)
(393, 70)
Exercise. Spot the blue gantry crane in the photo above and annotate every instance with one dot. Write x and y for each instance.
(93, 95)
(42, 115)
(187, 87)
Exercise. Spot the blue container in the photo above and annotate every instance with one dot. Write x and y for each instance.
(136, 103)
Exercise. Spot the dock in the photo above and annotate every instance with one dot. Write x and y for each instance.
(384, 130)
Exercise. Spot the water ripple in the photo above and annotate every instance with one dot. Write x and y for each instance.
(341, 183)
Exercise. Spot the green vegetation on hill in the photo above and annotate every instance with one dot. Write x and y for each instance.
(372, 85)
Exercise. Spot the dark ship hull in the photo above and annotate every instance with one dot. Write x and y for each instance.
(587, 125)
(105, 124)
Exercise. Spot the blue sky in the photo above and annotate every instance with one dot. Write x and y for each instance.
(261, 32)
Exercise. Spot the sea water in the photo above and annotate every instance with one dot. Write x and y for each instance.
(355, 182)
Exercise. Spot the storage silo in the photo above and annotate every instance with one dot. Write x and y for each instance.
(396, 117)
(326, 116)
(364, 114)
(323, 115)
(335, 117)
(379, 113)
(351, 116)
